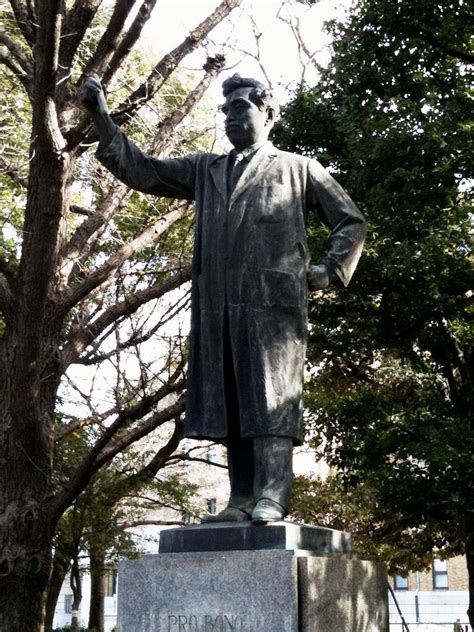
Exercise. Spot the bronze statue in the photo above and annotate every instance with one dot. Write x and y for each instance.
(250, 280)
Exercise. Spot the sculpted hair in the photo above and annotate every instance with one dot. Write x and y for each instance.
(260, 94)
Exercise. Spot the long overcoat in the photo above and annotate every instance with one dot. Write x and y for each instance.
(250, 258)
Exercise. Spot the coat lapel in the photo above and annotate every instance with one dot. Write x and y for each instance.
(254, 171)
(218, 169)
(256, 167)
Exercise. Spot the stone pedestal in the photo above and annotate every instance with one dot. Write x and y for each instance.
(243, 536)
(275, 578)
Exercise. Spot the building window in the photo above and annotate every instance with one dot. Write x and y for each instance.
(186, 517)
(211, 505)
(68, 604)
(400, 583)
(440, 574)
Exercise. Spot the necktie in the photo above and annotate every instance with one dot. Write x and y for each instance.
(237, 170)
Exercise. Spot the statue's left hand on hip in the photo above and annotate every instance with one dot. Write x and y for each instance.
(319, 277)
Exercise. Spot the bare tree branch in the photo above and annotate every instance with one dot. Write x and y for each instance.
(195, 459)
(136, 339)
(257, 33)
(157, 77)
(105, 272)
(156, 420)
(77, 424)
(106, 447)
(149, 471)
(23, 21)
(99, 418)
(83, 337)
(87, 234)
(16, 70)
(74, 26)
(109, 41)
(81, 210)
(160, 523)
(17, 54)
(169, 62)
(306, 57)
(151, 501)
(129, 39)
(165, 128)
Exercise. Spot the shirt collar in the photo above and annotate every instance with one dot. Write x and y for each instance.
(248, 153)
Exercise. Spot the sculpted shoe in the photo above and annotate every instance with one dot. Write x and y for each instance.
(229, 514)
(267, 510)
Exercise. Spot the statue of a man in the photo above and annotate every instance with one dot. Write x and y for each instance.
(251, 275)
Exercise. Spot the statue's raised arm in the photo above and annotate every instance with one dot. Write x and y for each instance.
(173, 178)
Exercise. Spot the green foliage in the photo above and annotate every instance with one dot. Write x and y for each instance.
(333, 504)
(15, 120)
(392, 395)
(113, 499)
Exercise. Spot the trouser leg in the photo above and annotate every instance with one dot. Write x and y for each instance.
(240, 453)
(240, 458)
(273, 469)
(260, 467)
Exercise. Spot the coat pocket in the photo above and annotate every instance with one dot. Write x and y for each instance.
(276, 288)
(272, 204)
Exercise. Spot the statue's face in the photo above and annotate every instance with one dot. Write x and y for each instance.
(245, 123)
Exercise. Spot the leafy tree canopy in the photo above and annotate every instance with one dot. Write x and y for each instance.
(391, 393)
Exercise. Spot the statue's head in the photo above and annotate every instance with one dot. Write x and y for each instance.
(250, 110)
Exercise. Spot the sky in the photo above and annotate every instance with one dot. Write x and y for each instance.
(173, 19)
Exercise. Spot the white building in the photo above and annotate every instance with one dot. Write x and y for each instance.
(62, 616)
(432, 601)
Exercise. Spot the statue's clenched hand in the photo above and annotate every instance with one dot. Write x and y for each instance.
(92, 97)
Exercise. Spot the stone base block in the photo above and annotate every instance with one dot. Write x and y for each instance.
(251, 591)
(342, 595)
(245, 536)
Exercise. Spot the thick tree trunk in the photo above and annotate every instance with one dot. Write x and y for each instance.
(26, 415)
(25, 527)
(61, 564)
(26, 533)
(98, 575)
(27, 385)
(23, 585)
